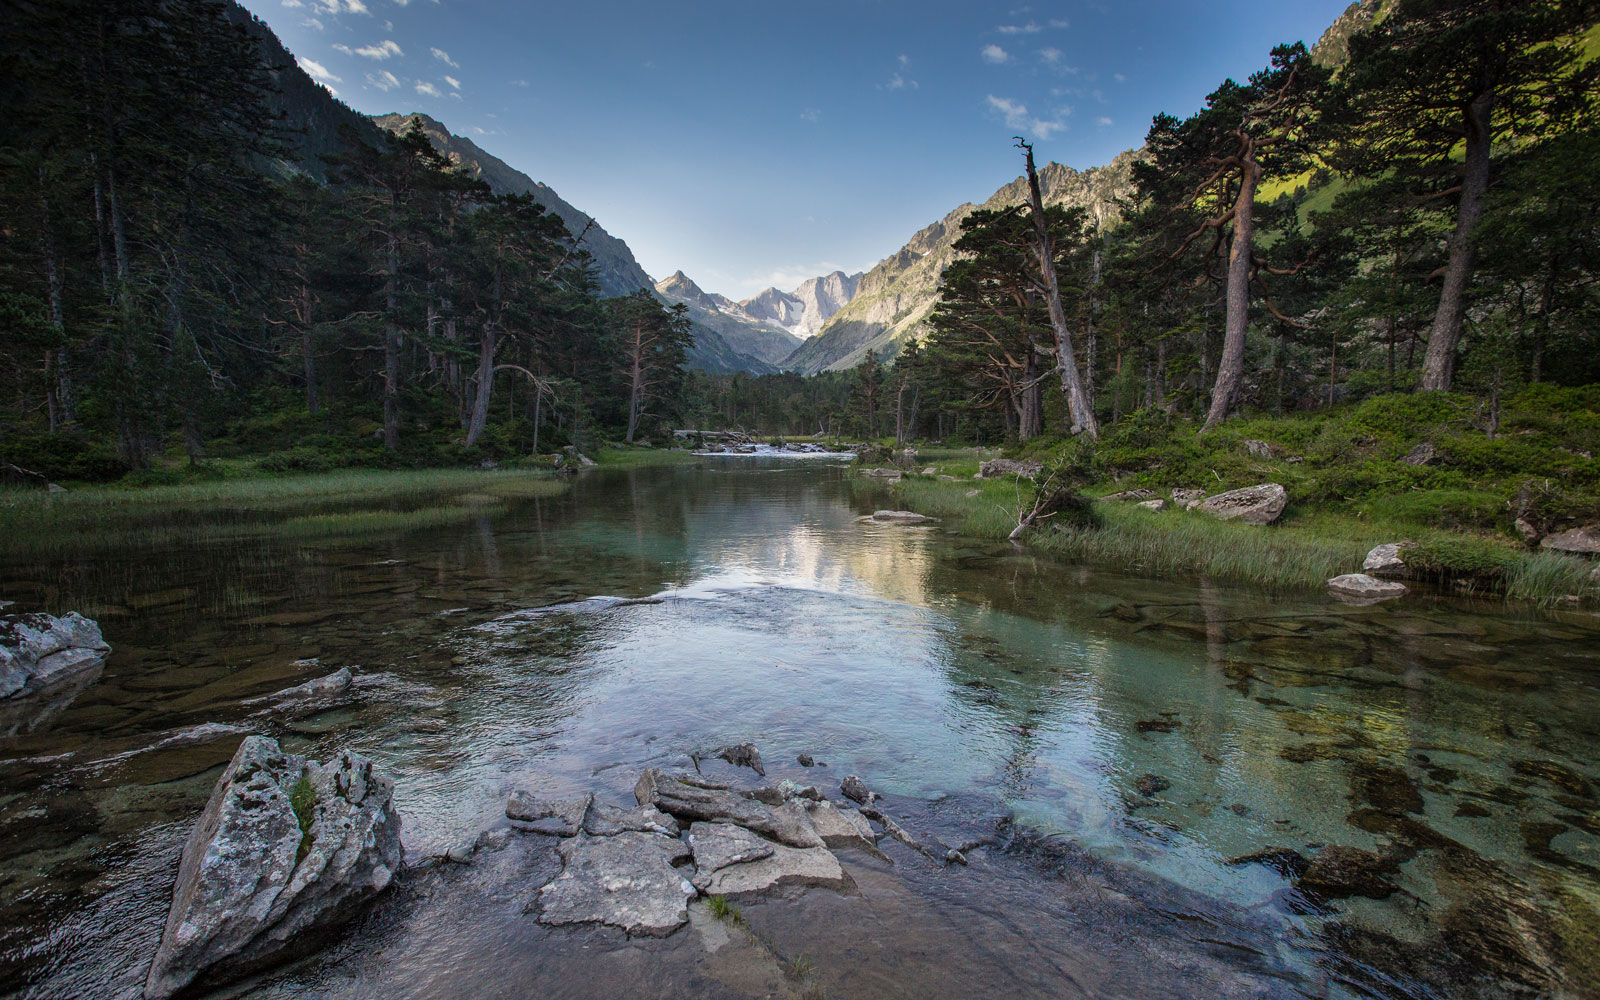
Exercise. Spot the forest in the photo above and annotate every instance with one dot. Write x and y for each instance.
(1422, 216)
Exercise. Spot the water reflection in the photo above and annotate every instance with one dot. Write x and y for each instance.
(1166, 726)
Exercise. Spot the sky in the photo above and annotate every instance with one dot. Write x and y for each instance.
(757, 142)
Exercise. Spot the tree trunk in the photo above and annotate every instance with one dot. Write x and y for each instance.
(486, 349)
(1241, 258)
(1439, 364)
(391, 341)
(307, 358)
(900, 416)
(1044, 249)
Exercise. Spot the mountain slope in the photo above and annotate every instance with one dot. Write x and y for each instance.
(895, 297)
(617, 271)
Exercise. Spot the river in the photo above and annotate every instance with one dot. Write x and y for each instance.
(1113, 745)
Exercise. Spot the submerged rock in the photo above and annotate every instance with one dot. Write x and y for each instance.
(1286, 861)
(1151, 784)
(286, 850)
(559, 817)
(627, 880)
(1341, 872)
(329, 686)
(1366, 587)
(39, 651)
(856, 790)
(1261, 504)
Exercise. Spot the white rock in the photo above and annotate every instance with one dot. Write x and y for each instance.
(1260, 504)
(1362, 585)
(1388, 560)
(626, 880)
(1157, 504)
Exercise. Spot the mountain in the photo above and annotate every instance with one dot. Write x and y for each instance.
(767, 345)
(617, 271)
(893, 299)
(803, 311)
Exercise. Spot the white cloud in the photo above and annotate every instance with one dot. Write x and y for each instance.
(292, 4)
(1060, 22)
(1019, 29)
(424, 87)
(383, 80)
(1120, 78)
(317, 71)
(377, 50)
(1015, 115)
(1103, 121)
(444, 57)
(900, 82)
(904, 60)
(312, 22)
(519, 83)
(995, 54)
(811, 114)
(452, 81)
(331, 8)
(1051, 56)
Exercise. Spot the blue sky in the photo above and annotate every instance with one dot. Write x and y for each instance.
(760, 143)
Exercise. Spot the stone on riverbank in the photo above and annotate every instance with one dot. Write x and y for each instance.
(604, 820)
(626, 880)
(856, 790)
(1388, 560)
(736, 864)
(840, 827)
(40, 651)
(899, 516)
(1366, 587)
(1584, 541)
(1261, 504)
(1156, 504)
(1008, 467)
(743, 755)
(719, 805)
(883, 473)
(285, 850)
(558, 817)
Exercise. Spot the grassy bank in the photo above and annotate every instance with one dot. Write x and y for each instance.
(1357, 477)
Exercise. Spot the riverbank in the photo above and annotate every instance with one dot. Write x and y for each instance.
(1473, 495)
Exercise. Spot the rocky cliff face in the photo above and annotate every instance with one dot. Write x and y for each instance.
(894, 299)
(717, 318)
(615, 267)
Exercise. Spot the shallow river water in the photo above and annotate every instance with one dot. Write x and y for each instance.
(1113, 745)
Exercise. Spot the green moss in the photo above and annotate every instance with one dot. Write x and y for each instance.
(303, 800)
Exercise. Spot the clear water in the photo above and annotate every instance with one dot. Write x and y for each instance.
(993, 695)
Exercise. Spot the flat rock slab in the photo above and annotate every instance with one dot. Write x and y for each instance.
(786, 824)
(1577, 541)
(1360, 585)
(626, 880)
(560, 817)
(840, 827)
(785, 866)
(899, 517)
(718, 845)
(40, 651)
(606, 821)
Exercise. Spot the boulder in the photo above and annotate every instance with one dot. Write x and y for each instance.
(1422, 454)
(685, 800)
(856, 790)
(930, 471)
(286, 850)
(41, 651)
(329, 686)
(1130, 495)
(743, 755)
(1388, 559)
(1187, 498)
(558, 817)
(1584, 541)
(1367, 587)
(1156, 504)
(735, 864)
(840, 827)
(1526, 531)
(628, 880)
(1253, 505)
(1008, 467)
(605, 821)
(899, 516)
(1259, 449)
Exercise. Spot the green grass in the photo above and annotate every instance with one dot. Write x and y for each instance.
(303, 800)
(625, 457)
(724, 910)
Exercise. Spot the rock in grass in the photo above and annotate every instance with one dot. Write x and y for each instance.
(286, 850)
(1008, 467)
(627, 880)
(1388, 560)
(1156, 504)
(1260, 504)
(1422, 454)
(41, 651)
(1139, 494)
(882, 473)
(1187, 498)
(1366, 587)
(559, 817)
(1576, 541)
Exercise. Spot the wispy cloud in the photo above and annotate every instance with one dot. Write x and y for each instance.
(317, 71)
(900, 80)
(330, 8)
(1019, 29)
(993, 53)
(424, 87)
(1103, 121)
(811, 115)
(1015, 114)
(444, 57)
(377, 50)
(452, 81)
(383, 80)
